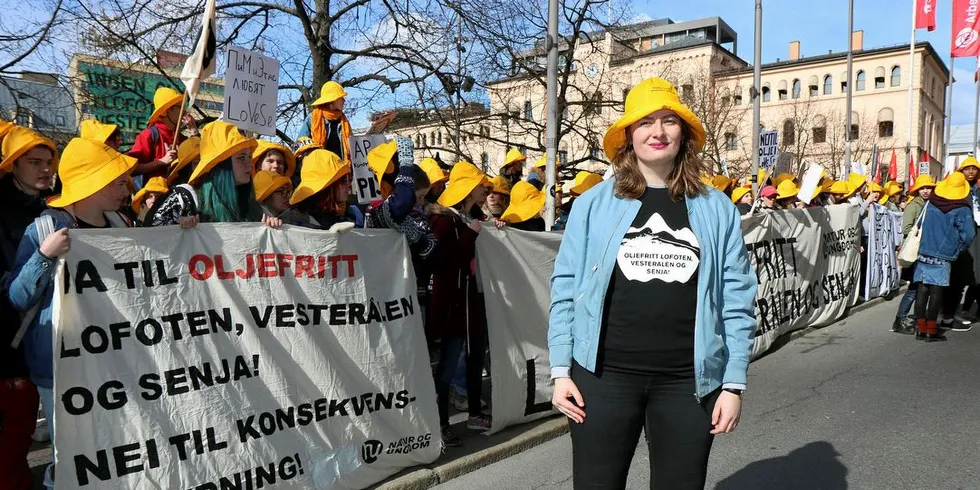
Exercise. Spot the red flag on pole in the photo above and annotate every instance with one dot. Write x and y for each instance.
(966, 39)
(913, 170)
(878, 167)
(893, 167)
(925, 14)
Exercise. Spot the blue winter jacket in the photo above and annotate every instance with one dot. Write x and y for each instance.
(946, 235)
(725, 318)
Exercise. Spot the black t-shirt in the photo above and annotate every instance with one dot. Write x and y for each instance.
(85, 225)
(649, 315)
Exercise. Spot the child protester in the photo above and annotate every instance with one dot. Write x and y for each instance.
(526, 204)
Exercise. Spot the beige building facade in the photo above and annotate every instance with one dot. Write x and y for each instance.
(803, 97)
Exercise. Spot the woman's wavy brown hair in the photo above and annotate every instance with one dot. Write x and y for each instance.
(684, 179)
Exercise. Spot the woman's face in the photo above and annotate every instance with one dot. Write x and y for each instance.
(273, 161)
(479, 195)
(769, 202)
(341, 189)
(34, 169)
(337, 105)
(109, 197)
(278, 201)
(657, 137)
(151, 199)
(746, 199)
(242, 165)
(495, 199)
(875, 196)
(925, 192)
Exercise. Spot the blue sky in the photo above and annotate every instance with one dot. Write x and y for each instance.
(821, 26)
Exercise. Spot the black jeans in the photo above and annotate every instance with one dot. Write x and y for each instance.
(928, 301)
(617, 407)
(450, 351)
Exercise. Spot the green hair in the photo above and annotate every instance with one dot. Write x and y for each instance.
(224, 201)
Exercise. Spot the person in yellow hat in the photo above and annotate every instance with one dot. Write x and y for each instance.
(29, 162)
(109, 134)
(787, 195)
(320, 199)
(188, 156)
(742, 197)
(947, 230)
(967, 266)
(454, 284)
(836, 192)
(583, 182)
(526, 206)
(513, 167)
(381, 160)
(780, 178)
(327, 125)
(499, 197)
(643, 233)
(153, 148)
(437, 178)
(274, 157)
(873, 192)
(94, 179)
(891, 195)
(273, 191)
(919, 192)
(146, 197)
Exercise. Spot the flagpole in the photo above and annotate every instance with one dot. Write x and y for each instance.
(911, 79)
(850, 86)
(976, 109)
(756, 102)
(180, 118)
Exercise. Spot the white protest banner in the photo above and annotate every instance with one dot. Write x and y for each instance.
(807, 262)
(811, 179)
(897, 227)
(236, 356)
(515, 269)
(882, 274)
(251, 91)
(858, 168)
(365, 184)
(768, 149)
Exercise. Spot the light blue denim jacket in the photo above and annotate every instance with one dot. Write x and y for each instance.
(725, 318)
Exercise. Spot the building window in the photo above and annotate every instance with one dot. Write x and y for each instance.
(782, 94)
(819, 130)
(23, 118)
(860, 80)
(828, 85)
(797, 88)
(61, 120)
(563, 157)
(439, 137)
(726, 101)
(432, 139)
(595, 105)
(528, 111)
(731, 141)
(484, 161)
(688, 92)
(737, 100)
(766, 96)
(886, 129)
(843, 87)
(789, 133)
(896, 76)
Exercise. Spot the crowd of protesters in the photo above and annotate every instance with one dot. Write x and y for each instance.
(178, 174)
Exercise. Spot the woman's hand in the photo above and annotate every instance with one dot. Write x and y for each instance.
(728, 411)
(498, 224)
(188, 222)
(271, 222)
(565, 392)
(56, 244)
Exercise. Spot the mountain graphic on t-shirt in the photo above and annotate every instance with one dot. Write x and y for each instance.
(657, 251)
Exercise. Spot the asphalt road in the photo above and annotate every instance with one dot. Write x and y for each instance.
(849, 406)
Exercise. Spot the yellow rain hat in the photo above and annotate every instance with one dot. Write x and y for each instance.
(651, 95)
(264, 146)
(854, 183)
(954, 187)
(163, 99)
(4, 127)
(433, 171)
(306, 145)
(779, 179)
(740, 192)
(89, 166)
(500, 185)
(329, 92)
(892, 188)
(267, 182)
(91, 129)
(463, 178)
(156, 184)
(721, 182)
(514, 156)
(188, 151)
(875, 187)
(543, 162)
(924, 180)
(379, 159)
(787, 189)
(219, 141)
(585, 181)
(20, 140)
(526, 202)
(839, 187)
(321, 169)
(969, 162)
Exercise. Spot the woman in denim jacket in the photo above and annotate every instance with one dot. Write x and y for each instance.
(652, 304)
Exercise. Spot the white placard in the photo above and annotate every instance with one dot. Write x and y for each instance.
(251, 91)
(811, 179)
(882, 274)
(236, 356)
(768, 149)
(365, 183)
(858, 168)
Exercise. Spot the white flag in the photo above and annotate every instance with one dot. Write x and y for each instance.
(201, 63)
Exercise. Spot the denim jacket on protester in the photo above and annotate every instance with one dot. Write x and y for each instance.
(946, 235)
(725, 321)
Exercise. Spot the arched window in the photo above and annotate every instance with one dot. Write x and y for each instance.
(737, 96)
(789, 133)
(528, 111)
(828, 85)
(766, 95)
(855, 127)
(879, 77)
(782, 92)
(896, 76)
(886, 123)
(860, 81)
(797, 88)
(484, 161)
(814, 86)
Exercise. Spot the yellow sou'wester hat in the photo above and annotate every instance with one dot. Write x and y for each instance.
(267, 182)
(89, 166)
(740, 192)
(924, 180)
(219, 141)
(188, 151)
(91, 129)
(649, 96)
(329, 92)
(787, 189)
(500, 185)
(156, 184)
(379, 158)
(163, 99)
(463, 178)
(321, 169)
(20, 140)
(526, 202)
(585, 181)
(514, 156)
(954, 187)
(432, 170)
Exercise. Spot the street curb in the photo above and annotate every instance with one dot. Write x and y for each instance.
(424, 478)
